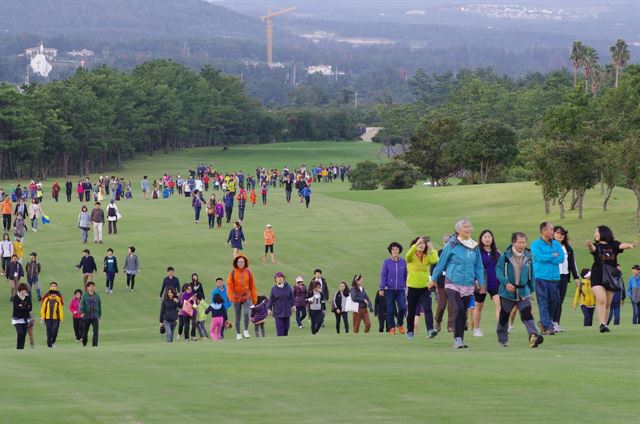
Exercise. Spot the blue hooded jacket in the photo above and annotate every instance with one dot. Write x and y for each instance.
(223, 293)
(545, 265)
(462, 265)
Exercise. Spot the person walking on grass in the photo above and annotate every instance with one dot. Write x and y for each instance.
(281, 302)
(112, 217)
(316, 307)
(242, 292)
(97, 219)
(514, 271)
(263, 191)
(7, 211)
(21, 314)
(196, 204)
(52, 314)
(131, 267)
(33, 270)
(211, 211)
(110, 270)
(228, 206)
(87, 266)
(617, 302)
(144, 187)
(35, 213)
(14, 273)
(219, 211)
(242, 203)
(236, 237)
(91, 313)
(461, 263)
(259, 313)
(340, 307)
(490, 255)
(269, 241)
(185, 316)
(68, 189)
(547, 255)
(360, 296)
(84, 223)
(219, 316)
(605, 250)
(253, 197)
(419, 259)
(567, 269)
(170, 282)
(633, 293)
(393, 283)
(306, 194)
(299, 300)
(6, 250)
(169, 308)
(55, 191)
(74, 308)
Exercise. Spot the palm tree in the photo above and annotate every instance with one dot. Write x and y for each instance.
(588, 62)
(619, 56)
(577, 51)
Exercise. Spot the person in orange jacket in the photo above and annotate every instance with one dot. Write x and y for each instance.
(7, 212)
(242, 292)
(253, 197)
(269, 241)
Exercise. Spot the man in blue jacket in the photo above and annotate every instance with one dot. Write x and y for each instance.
(393, 282)
(547, 256)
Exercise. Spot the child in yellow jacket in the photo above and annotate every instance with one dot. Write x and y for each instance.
(52, 313)
(585, 296)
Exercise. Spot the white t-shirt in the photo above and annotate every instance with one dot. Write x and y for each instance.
(564, 266)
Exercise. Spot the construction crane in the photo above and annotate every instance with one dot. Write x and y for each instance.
(268, 19)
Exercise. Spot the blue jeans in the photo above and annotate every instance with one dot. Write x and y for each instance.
(547, 296)
(197, 213)
(636, 312)
(170, 328)
(393, 298)
(301, 314)
(614, 312)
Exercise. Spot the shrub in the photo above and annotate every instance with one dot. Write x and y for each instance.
(364, 176)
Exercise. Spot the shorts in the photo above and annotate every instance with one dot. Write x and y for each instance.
(268, 248)
(481, 297)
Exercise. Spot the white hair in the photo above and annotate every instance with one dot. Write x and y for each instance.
(460, 224)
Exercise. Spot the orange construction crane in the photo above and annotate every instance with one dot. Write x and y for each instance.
(268, 19)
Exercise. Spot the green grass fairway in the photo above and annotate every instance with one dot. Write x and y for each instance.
(135, 377)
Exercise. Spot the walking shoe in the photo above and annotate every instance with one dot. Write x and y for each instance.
(458, 343)
(604, 328)
(438, 326)
(535, 340)
(504, 345)
(178, 337)
(410, 335)
(432, 334)
(401, 329)
(510, 329)
(556, 327)
(478, 333)
(392, 331)
(238, 336)
(246, 334)
(299, 326)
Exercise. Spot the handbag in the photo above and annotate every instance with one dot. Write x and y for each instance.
(611, 277)
(351, 306)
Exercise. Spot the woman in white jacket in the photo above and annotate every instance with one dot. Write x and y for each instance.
(112, 217)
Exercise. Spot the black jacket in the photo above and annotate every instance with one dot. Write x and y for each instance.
(87, 265)
(324, 289)
(21, 308)
(68, 186)
(168, 283)
(169, 310)
(14, 268)
(571, 261)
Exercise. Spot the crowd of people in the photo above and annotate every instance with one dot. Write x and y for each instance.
(457, 277)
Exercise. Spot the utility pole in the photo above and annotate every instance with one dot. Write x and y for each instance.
(356, 101)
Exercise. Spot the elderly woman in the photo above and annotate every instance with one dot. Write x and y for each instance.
(461, 262)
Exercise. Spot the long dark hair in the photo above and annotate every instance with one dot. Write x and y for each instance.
(495, 255)
(560, 228)
(606, 234)
(356, 278)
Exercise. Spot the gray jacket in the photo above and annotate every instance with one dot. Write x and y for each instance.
(84, 220)
(131, 264)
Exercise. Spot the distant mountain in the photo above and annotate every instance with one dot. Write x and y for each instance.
(127, 19)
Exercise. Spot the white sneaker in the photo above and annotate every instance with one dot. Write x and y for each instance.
(510, 329)
(246, 334)
(478, 333)
(106, 290)
(239, 336)
(556, 328)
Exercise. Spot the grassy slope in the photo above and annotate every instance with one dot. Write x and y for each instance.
(134, 377)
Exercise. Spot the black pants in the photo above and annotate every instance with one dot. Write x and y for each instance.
(382, 323)
(183, 326)
(111, 276)
(316, 320)
(85, 331)
(562, 289)
(6, 221)
(5, 261)
(219, 221)
(424, 297)
(113, 226)
(588, 315)
(68, 197)
(345, 319)
(52, 326)
(228, 212)
(87, 195)
(301, 314)
(194, 326)
(264, 199)
(77, 328)
(306, 201)
(460, 305)
(131, 280)
(212, 220)
(288, 195)
(21, 331)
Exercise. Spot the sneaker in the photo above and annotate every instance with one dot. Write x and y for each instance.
(246, 334)
(604, 328)
(106, 290)
(535, 340)
(432, 333)
(556, 327)
(478, 333)
(410, 335)
(392, 331)
(178, 337)
(438, 326)
(510, 329)
(299, 326)
(458, 343)
(401, 329)
(238, 336)
(503, 344)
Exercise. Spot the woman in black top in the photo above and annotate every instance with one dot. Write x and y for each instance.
(21, 313)
(605, 250)
(568, 269)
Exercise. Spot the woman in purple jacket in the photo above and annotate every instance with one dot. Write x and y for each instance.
(281, 304)
(300, 300)
(490, 256)
(393, 282)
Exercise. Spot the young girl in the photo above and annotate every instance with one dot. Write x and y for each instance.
(316, 306)
(218, 316)
(584, 294)
(219, 213)
(252, 197)
(264, 191)
(19, 227)
(339, 307)
(74, 307)
(201, 307)
(259, 313)
(236, 237)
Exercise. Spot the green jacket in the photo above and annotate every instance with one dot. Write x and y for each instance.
(505, 271)
(418, 273)
(91, 306)
(202, 306)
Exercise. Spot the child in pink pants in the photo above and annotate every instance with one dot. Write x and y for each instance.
(218, 316)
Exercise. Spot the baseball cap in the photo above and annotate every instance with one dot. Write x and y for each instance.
(278, 274)
(299, 279)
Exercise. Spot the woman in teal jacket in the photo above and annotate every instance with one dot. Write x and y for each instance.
(462, 264)
(515, 273)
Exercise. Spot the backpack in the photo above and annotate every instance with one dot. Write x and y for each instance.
(111, 211)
